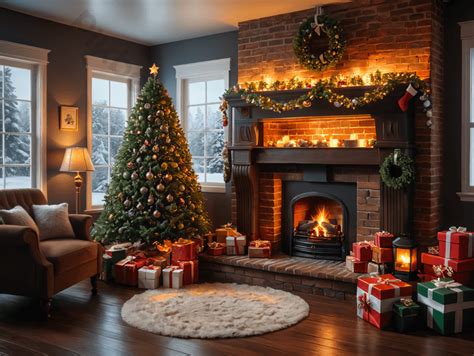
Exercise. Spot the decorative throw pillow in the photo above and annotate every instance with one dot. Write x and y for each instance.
(53, 221)
(18, 216)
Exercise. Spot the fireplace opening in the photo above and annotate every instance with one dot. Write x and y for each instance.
(321, 219)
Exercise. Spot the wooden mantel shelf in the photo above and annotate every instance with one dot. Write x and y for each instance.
(330, 156)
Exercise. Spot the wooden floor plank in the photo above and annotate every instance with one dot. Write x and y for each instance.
(86, 325)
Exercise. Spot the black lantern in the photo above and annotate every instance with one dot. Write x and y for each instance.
(405, 264)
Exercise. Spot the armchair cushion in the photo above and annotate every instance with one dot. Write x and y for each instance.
(67, 254)
(53, 221)
(18, 216)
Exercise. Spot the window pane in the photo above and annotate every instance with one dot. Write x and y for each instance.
(198, 166)
(100, 150)
(18, 177)
(196, 93)
(17, 149)
(196, 143)
(195, 118)
(99, 185)
(214, 117)
(1, 81)
(17, 116)
(471, 165)
(214, 147)
(215, 89)
(17, 83)
(118, 119)
(100, 91)
(1, 150)
(115, 143)
(118, 94)
(1, 113)
(100, 120)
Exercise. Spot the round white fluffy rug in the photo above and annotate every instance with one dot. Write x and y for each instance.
(214, 310)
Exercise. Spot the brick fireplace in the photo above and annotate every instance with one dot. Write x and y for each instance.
(269, 151)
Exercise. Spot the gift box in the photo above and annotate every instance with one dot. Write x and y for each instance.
(126, 271)
(456, 243)
(117, 253)
(260, 249)
(172, 277)
(235, 245)
(448, 306)
(457, 265)
(356, 266)
(362, 250)
(224, 231)
(190, 271)
(199, 244)
(382, 255)
(383, 239)
(107, 268)
(183, 250)
(159, 261)
(405, 315)
(216, 249)
(465, 278)
(149, 277)
(376, 296)
(379, 268)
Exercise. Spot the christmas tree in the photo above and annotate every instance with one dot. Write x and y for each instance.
(153, 194)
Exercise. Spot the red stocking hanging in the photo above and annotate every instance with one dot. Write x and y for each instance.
(405, 99)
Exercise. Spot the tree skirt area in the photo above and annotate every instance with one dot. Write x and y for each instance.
(214, 310)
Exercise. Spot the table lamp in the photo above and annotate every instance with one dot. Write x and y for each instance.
(77, 159)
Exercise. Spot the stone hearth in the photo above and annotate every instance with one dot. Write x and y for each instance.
(320, 277)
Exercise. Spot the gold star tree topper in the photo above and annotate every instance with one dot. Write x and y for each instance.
(154, 70)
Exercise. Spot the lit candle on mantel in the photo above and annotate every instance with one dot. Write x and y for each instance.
(333, 142)
(362, 142)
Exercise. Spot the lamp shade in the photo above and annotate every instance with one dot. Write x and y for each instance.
(77, 159)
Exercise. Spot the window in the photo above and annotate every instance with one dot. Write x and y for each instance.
(199, 87)
(467, 183)
(113, 88)
(22, 116)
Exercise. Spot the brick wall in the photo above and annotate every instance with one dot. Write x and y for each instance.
(403, 35)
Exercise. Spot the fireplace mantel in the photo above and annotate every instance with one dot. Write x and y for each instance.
(394, 129)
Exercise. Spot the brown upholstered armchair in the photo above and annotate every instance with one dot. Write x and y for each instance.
(31, 267)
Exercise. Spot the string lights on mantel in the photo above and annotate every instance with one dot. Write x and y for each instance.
(381, 85)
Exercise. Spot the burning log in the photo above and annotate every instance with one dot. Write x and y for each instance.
(330, 228)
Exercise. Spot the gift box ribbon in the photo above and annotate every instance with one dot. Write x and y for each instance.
(457, 307)
(215, 245)
(260, 243)
(173, 269)
(454, 229)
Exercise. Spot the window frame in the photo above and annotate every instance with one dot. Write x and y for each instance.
(467, 38)
(109, 70)
(36, 60)
(201, 71)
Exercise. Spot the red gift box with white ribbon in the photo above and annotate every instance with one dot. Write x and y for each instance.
(383, 239)
(183, 250)
(190, 271)
(362, 250)
(376, 296)
(126, 270)
(456, 243)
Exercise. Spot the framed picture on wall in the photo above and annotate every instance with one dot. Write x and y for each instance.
(69, 118)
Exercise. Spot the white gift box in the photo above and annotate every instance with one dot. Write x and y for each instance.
(149, 277)
(173, 277)
(236, 245)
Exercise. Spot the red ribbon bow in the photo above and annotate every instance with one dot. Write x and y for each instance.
(364, 302)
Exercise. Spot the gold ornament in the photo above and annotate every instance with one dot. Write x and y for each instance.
(182, 188)
(164, 166)
(168, 177)
(169, 198)
(151, 200)
(156, 148)
(155, 157)
(160, 187)
(180, 226)
(156, 214)
(149, 175)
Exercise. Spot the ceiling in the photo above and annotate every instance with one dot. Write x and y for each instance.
(152, 22)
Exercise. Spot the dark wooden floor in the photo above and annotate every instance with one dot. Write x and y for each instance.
(86, 325)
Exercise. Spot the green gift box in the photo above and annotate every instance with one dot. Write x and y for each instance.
(448, 305)
(405, 315)
(107, 268)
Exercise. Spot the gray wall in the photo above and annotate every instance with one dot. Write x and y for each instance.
(218, 46)
(67, 81)
(454, 211)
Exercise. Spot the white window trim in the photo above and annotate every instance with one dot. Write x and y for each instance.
(96, 65)
(220, 67)
(38, 58)
(467, 37)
